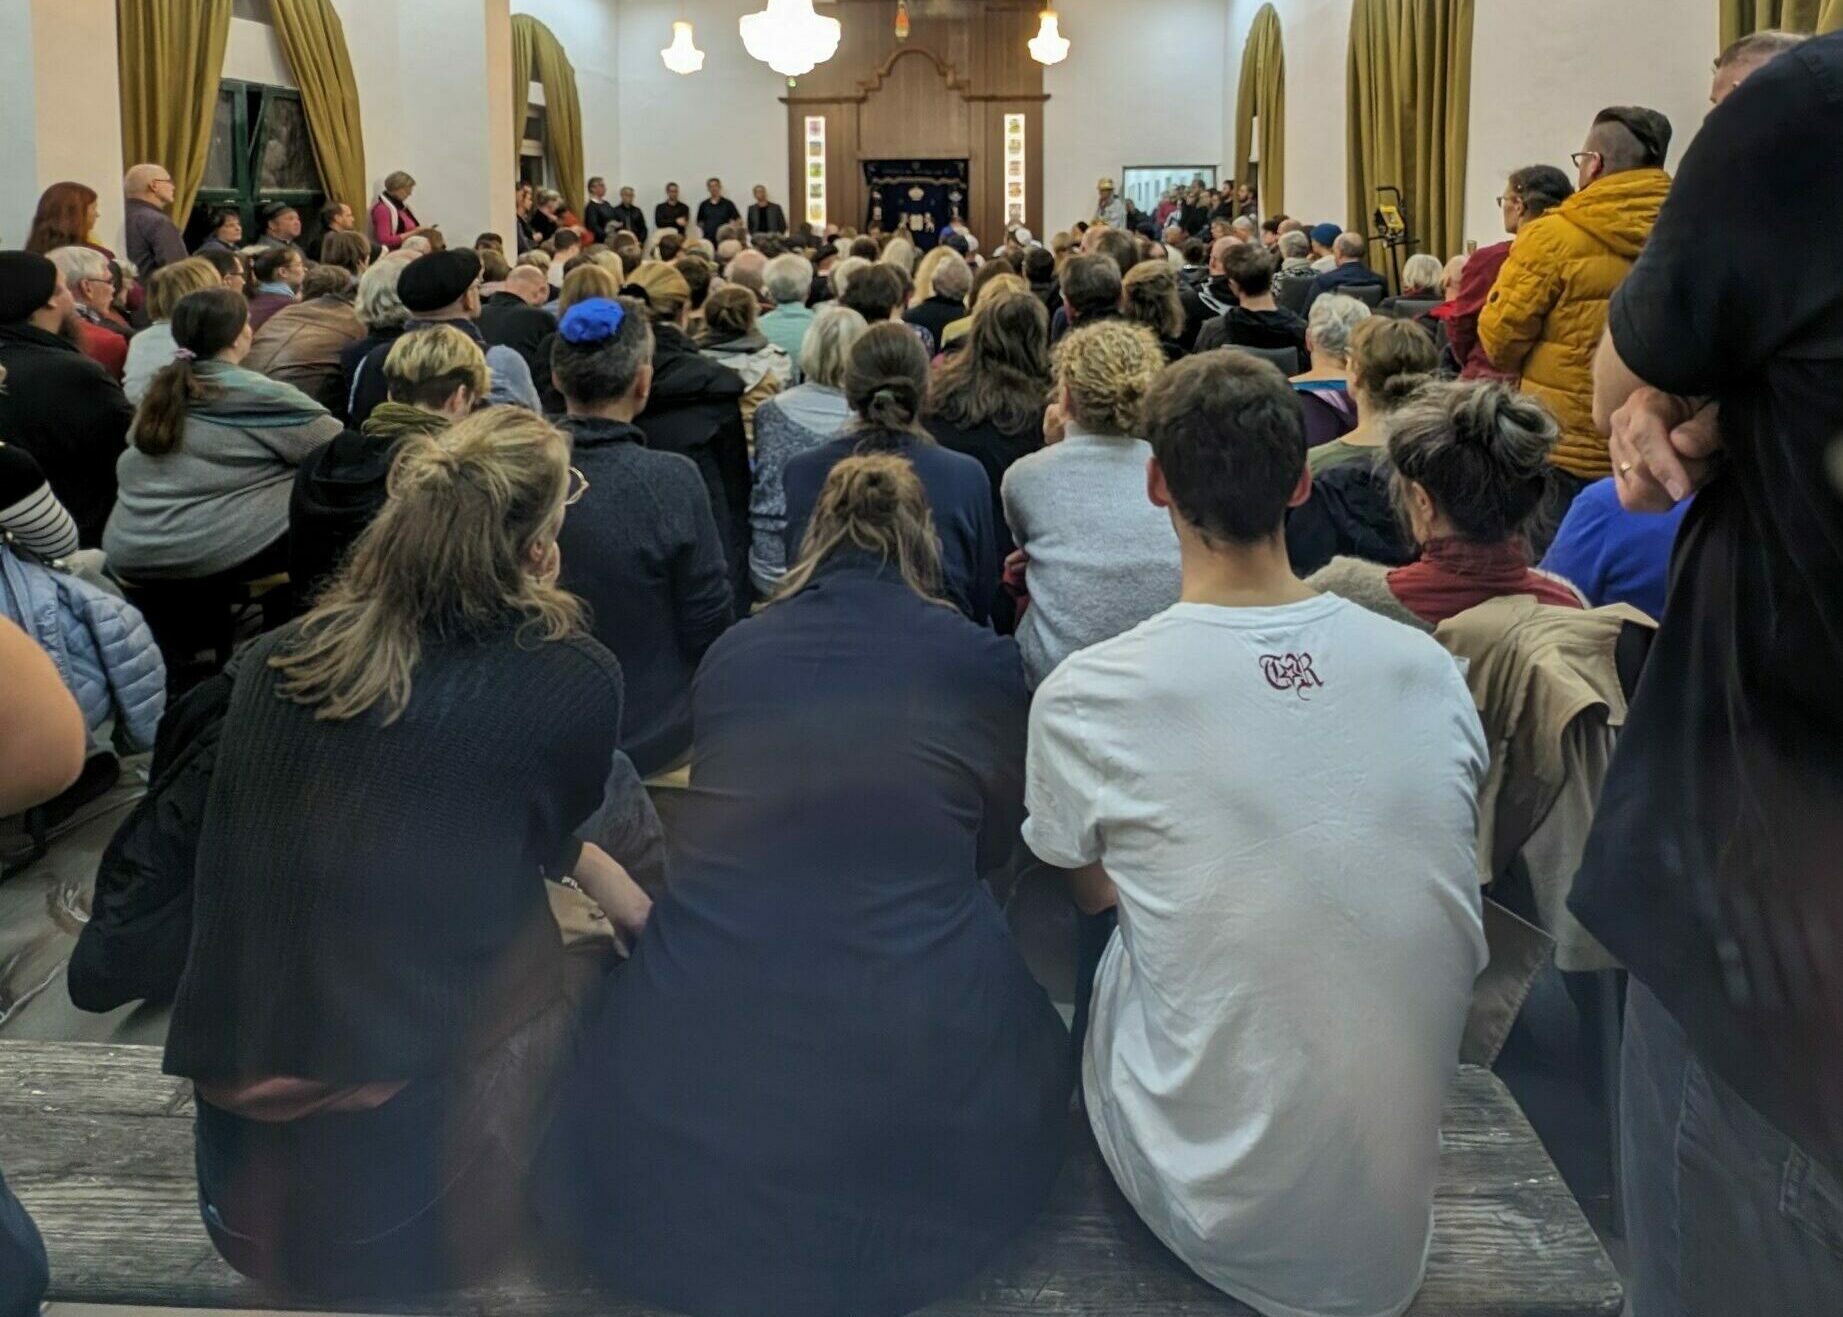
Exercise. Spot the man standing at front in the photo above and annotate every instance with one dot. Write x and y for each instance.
(672, 213)
(715, 211)
(627, 217)
(153, 239)
(1279, 791)
(1109, 209)
(599, 213)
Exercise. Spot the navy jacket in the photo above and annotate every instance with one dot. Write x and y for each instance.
(1340, 280)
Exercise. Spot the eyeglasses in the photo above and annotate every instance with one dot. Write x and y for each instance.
(579, 485)
(1580, 158)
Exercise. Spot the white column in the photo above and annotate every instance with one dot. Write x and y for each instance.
(60, 103)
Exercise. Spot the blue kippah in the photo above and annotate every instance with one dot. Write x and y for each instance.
(593, 321)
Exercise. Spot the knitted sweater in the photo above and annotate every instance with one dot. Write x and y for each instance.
(368, 900)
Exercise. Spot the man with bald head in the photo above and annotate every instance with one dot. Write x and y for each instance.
(1746, 57)
(153, 239)
(514, 317)
(748, 269)
(1348, 270)
(1217, 297)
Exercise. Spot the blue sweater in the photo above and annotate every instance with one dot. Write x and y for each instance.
(1615, 556)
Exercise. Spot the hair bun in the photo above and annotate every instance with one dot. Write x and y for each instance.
(638, 293)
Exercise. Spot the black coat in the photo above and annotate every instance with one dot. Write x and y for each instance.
(629, 218)
(696, 409)
(713, 215)
(508, 320)
(672, 215)
(339, 489)
(769, 218)
(1349, 514)
(935, 314)
(69, 413)
(353, 355)
(596, 217)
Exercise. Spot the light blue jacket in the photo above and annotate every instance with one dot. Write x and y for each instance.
(100, 643)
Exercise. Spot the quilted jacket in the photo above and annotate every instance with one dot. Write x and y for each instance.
(300, 345)
(1545, 315)
(101, 644)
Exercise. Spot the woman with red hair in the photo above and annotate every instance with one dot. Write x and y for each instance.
(66, 218)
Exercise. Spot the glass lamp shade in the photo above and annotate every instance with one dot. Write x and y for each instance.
(682, 56)
(789, 37)
(1049, 46)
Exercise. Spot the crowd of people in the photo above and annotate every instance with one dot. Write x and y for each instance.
(1132, 556)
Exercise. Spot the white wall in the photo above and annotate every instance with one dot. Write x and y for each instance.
(590, 33)
(727, 120)
(1141, 86)
(1539, 74)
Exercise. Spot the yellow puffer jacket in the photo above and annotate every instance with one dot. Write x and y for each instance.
(1547, 311)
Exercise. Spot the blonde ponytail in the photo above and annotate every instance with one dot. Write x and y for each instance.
(874, 504)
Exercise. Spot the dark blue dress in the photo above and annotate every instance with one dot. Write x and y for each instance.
(826, 1083)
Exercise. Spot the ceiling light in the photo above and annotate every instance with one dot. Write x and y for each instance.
(1049, 46)
(682, 56)
(789, 37)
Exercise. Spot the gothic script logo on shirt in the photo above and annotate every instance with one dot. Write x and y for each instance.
(1291, 672)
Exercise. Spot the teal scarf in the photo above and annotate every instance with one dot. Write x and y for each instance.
(252, 401)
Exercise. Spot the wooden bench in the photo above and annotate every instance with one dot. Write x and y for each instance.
(98, 1145)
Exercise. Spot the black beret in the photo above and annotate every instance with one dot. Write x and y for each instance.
(437, 280)
(26, 284)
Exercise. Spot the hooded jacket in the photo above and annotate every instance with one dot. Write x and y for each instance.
(1545, 316)
(300, 345)
(67, 412)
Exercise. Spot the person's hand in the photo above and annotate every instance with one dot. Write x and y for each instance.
(1016, 563)
(1055, 428)
(610, 886)
(1662, 448)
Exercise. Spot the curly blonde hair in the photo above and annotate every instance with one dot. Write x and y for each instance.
(1107, 368)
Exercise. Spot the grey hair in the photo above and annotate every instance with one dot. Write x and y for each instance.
(1243, 225)
(1350, 244)
(826, 350)
(378, 306)
(76, 263)
(746, 268)
(1332, 318)
(1422, 271)
(901, 254)
(788, 278)
(953, 277)
(1759, 47)
(1479, 449)
(843, 272)
(1294, 245)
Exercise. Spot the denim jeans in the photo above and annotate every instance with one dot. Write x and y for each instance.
(1724, 1214)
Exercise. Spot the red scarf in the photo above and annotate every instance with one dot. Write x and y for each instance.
(1454, 575)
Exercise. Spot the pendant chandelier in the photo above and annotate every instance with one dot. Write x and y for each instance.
(789, 37)
(1049, 46)
(682, 56)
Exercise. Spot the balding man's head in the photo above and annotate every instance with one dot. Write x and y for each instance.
(530, 283)
(1219, 249)
(1349, 247)
(1748, 55)
(728, 250)
(748, 269)
(149, 183)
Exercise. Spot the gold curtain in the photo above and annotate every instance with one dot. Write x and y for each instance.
(1740, 18)
(524, 63)
(1410, 85)
(562, 107)
(171, 55)
(1262, 98)
(314, 42)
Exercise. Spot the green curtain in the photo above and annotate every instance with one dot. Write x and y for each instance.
(1410, 86)
(524, 64)
(171, 55)
(1740, 18)
(1262, 97)
(562, 107)
(314, 42)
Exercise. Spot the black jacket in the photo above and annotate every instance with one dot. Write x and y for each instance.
(672, 215)
(353, 355)
(68, 413)
(935, 314)
(767, 219)
(696, 410)
(713, 215)
(642, 550)
(629, 218)
(508, 320)
(1240, 327)
(1349, 514)
(338, 490)
(596, 217)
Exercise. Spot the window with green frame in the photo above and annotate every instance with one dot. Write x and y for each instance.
(260, 152)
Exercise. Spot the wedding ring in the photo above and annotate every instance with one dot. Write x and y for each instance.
(1625, 468)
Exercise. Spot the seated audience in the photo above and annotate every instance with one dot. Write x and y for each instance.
(279, 272)
(878, 293)
(1040, 271)
(204, 484)
(695, 409)
(226, 233)
(434, 376)
(732, 337)
(152, 350)
(58, 405)
(1091, 291)
(886, 383)
(787, 282)
(1422, 288)
(1386, 362)
(1100, 559)
(382, 314)
(988, 398)
(943, 299)
(1613, 556)
(585, 283)
(1324, 245)
(564, 248)
(1470, 468)
(995, 276)
(788, 424)
(1149, 297)
(641, 548)
(1306, 776)
(514, 317)
(1348, 269)
(1255, 320)
(1292, 282)
(827, 1076)
(279, 225)
(233, 272)
(1530, 193)
(443, 288)
(101, 334)
(1323, 390)
(747, 269)
(32, 521)
(344, 1070)
(302, 344)
(698, 275)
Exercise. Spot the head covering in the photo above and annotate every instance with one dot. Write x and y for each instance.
(266, 215)
(1325, 234)
(1105, 185)
(26, 283)
(438, 280)
(593, 321)
(660, 285)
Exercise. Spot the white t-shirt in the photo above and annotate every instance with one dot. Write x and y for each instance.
(1286, 799)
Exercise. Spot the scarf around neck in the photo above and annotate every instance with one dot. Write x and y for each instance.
(253, 401)
(1454, 575)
